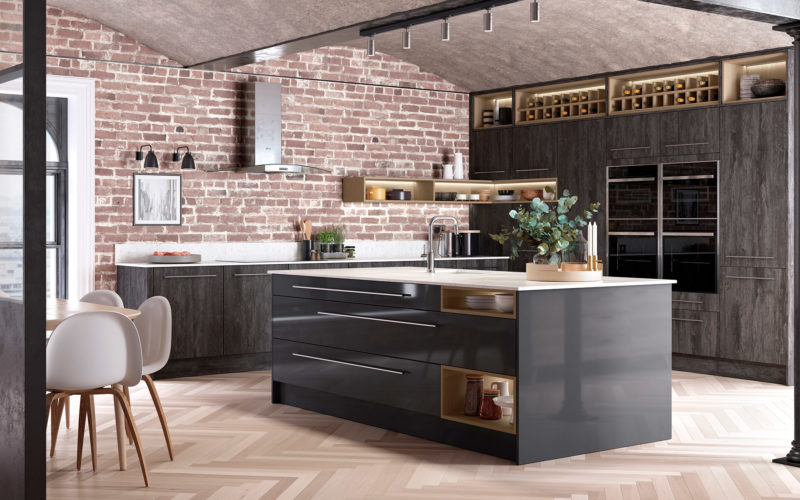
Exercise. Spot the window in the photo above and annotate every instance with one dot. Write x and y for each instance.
(11, 201)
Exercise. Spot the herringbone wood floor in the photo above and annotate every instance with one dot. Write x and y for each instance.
(231, 443)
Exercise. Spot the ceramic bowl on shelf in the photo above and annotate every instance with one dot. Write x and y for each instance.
(505, 192)
(474, 197)
(461, 197)
(530, 194)
(505, 302)
(770, 87)
(505, 402)
(504, 197)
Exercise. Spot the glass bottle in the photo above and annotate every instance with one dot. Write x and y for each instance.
(489, 410)
(473, 394)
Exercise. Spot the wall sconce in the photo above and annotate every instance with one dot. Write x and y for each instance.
(150, 161)
(188, 161)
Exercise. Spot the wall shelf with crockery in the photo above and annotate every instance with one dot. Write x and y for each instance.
(563, 101)
(419, 190)
(666, 89)
(453, 393)
(765, 66)
(492, 110)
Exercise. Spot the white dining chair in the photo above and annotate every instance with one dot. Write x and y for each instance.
(89, 354)
(103, 298)
(155, 333)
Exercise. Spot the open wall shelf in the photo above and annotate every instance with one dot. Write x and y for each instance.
(564, 101)
(671, 88)
(355, 189)
(765, 66)
(453, 389)
(491, 104)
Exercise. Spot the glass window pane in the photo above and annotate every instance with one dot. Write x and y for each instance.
(51, 263)
(11, 135)
(50, 209)
(11, 272)
(52, 150)
(11, 208)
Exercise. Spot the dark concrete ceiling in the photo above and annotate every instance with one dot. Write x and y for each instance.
(574, 38)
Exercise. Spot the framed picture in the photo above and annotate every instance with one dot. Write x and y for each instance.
(156, 200)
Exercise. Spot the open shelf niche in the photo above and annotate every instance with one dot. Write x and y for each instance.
(491, 105)
(563, 101)
(354, 189)
(454, 301)
(454, 388)
(670, 88)
(765, 66)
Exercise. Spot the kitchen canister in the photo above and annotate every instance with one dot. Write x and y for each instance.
(502, 389)
(447, 171)
(458, 166)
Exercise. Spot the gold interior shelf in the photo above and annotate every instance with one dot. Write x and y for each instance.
(453, 389)
(669, 88)
(454, 301)
(563, 101)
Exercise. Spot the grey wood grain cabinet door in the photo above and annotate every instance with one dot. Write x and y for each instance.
(754, 199)
(754, 314)
(535, 149)
(490, 153)
(195, 295)
(248, 310)
(693, 131)
(634, 136)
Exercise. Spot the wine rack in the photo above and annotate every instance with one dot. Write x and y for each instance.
(568, 101)
(674, 88)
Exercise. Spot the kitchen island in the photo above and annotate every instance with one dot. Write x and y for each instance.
(588, 364)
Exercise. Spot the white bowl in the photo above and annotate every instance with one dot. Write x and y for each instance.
(504, 302)
(461, 197)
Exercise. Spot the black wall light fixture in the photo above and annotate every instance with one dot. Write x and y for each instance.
(188, 160)
(150, 161)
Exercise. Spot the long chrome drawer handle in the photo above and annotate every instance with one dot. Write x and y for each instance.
(532, 169)
(191, 276)
(685, 144)
(238, 275)
(631, 233)
(489, 172)
(688, 301)
(353, 316)
(634, 179)
(747, 257)
(687, 177)
(750, 278)
(631, 148)
(688, 235)
(382, 294)
(357, 365)
(688, 320)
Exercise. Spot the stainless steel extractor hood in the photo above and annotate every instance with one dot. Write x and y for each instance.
(265, 155)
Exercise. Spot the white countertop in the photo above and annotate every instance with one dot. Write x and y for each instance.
(465, 278)
(296, 262)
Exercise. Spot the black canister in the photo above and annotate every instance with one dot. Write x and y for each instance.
(469, 243)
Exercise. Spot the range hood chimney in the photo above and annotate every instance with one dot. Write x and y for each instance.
(266, 149)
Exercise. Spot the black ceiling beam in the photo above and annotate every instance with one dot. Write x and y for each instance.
(765, 11)
(346, 34)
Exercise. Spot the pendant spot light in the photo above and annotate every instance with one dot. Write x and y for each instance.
(407, 38)
(446, 29)
(188, 160)
(371, 46)
(150, 161)
(487, 21)
(535, 12)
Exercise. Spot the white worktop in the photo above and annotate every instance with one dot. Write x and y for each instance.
(466, 278)
(243, 262)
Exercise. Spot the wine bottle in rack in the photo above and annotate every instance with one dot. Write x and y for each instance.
(658, 87)
(556, 100)
(627, 90)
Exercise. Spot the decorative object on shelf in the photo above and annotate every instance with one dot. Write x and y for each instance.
(156, 200)
(484, 194)
(308, 247)
(769, 87)
(458, 166)
(489, 410)
(338, 239)
(376, 193)
(505, 192)
(474, 197)
(507, 404)
(150, 161)
(461, 197)
(530, 194)
(174, 258)
(549, 231)
(473, 394)
(350, 251)
(504, 116)
(479, 302)
(445, 196)
(746, 83)
(398, 194)
(188, 160)
(502, 390)
(447, 171)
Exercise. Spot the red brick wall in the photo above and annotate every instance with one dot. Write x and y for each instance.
(341, 110)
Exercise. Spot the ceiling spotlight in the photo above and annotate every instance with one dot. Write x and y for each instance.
(535, 11)
(371, 46)
(407, 38)
(487, 21)
(150, 161)
(188, 161)
(446, 29)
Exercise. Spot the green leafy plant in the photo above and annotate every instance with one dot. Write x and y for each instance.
(338, 235)
(326, 237)
(548, 230)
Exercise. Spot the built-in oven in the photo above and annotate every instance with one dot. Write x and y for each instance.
(662, 223)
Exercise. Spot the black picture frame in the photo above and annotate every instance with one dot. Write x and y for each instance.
(176, 198)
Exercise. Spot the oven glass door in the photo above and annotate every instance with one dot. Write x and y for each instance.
(691, 258)
(633, 192)
(633, 248)
(689, 194)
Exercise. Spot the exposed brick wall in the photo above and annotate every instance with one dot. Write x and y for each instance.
(341, 110)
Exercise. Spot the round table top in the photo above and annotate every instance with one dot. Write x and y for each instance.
(60, 309)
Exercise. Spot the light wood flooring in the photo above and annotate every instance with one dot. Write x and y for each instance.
(231, 443)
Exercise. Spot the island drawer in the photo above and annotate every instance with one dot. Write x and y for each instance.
(379, 293)
(474, 342)
(399, 383)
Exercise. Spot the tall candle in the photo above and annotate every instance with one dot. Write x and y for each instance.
(594, 239)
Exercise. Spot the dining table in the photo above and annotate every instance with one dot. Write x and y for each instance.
(60, 309)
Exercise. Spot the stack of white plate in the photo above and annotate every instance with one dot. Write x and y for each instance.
(746, 83)
(480, 301)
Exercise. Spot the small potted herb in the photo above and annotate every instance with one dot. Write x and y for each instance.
(338, 239)
(325, 241)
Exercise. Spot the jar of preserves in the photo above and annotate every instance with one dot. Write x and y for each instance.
(489, 410)
(473, 394)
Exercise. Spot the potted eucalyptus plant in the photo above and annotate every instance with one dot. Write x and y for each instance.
(547, 229)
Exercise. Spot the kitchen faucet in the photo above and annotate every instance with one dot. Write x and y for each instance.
(431, 256)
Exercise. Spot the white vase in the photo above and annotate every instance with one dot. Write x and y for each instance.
(447, 171)
(458, 166)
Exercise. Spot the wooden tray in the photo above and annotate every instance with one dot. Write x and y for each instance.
(175, 259)
(546, 272)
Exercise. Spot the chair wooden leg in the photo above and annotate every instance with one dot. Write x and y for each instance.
(127, 427)
(126, 409)
(160, 410)
(58, 406)
(92, 429)
(66, 411)
(81, 428)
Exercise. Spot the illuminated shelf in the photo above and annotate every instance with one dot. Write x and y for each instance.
(564, 101)
(665, 89)
(453, 390)
(354, 189)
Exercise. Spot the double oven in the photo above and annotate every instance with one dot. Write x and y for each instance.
(662, 223)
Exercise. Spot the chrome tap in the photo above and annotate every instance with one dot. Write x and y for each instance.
(431, 256)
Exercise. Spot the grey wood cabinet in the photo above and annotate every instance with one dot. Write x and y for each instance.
(247, 313)
(754, 189)
(535, 152)
(490, 153)
(634, 136)
(695, 332)
(754, 316)
(196, 301)
(693, 131)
